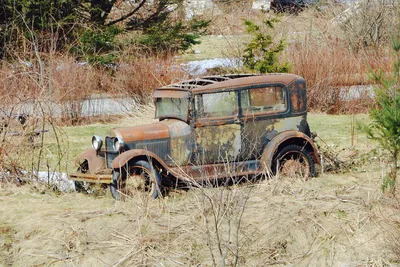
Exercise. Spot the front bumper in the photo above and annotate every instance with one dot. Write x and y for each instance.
(103, 178)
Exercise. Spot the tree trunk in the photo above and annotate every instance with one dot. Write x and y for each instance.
(99, 11)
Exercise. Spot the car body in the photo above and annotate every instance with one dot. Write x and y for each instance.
(211, 128)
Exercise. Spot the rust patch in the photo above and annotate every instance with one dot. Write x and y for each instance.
(170, 93)
(212, 171)
(295, 103)
(298, 96)
(92, 178)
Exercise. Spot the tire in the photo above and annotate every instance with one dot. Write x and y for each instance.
(150, 181)
(293, 160)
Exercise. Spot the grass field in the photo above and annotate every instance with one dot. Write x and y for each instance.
(217, 46)
(335, 219)
(75, 139)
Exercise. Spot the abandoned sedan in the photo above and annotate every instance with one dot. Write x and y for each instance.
(212, 128)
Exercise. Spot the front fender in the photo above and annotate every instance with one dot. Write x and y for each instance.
(122, 159)
(288, 137)
(95, 162)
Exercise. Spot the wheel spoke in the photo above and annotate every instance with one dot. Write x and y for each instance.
(139, 178)
(293, 161)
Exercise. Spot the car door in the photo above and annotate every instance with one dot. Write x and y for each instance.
(262, 110)
(217, 127)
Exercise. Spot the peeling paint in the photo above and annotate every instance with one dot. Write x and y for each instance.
(218, 143)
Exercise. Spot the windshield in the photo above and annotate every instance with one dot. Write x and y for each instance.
(172, 107)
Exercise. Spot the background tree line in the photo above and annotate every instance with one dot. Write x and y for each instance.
(88, 29)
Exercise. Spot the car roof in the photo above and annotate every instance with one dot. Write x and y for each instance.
(211, 83)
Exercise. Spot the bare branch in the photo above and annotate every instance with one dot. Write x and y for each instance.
(130, 14)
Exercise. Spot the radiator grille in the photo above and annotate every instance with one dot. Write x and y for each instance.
(110, 153)
(160, 147)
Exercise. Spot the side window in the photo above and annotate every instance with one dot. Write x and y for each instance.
(222, 104)
(263, 100)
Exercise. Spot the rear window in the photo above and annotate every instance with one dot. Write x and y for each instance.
(263, 100)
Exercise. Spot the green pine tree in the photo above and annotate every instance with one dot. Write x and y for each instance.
(261, 54)
(385, 115)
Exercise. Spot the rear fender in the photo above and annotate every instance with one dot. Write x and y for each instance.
(286, 138)
(95, 162)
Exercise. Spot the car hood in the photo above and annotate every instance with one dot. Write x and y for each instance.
(158, 130)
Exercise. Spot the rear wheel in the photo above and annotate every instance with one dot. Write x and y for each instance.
(294, 161)
(140, 176)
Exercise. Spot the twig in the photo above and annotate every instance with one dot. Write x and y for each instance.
(127, 256)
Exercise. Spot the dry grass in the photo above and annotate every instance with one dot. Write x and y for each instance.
(54, 92)
(332, 220)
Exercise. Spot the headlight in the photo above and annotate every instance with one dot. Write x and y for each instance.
(118, 143)
(97, 142)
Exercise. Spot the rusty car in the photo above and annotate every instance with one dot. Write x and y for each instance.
(209, 128)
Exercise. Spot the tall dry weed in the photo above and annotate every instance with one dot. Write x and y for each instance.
(60, 91)
(319, 51)
(330, 69)
(65, 84)
(22, 135)
(138, 76)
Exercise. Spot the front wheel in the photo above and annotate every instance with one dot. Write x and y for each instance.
(294, 161)
(140, 176)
